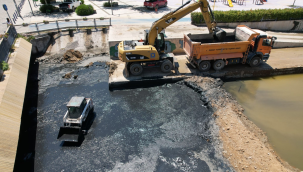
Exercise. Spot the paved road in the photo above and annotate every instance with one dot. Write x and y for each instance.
(3, 15)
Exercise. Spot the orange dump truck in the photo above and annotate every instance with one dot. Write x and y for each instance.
(246, 46)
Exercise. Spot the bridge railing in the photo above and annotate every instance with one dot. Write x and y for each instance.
(66, 24)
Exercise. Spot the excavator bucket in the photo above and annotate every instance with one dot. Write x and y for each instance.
(219, 34)
(69, 134)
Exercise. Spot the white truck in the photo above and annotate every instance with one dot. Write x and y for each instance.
(78, 110)
(69, 5)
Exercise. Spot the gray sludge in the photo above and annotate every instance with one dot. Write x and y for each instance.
(161, 128)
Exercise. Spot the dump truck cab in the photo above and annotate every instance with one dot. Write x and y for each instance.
(261, 45)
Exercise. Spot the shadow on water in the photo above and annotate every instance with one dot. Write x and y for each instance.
(27, 137)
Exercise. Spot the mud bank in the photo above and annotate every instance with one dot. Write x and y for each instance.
(244, 144)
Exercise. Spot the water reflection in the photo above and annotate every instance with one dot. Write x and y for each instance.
(275, 105)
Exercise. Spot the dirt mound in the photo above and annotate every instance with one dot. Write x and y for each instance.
(72, 56)
(112, 67)
(244, 144)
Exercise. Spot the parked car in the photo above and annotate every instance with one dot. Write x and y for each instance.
(155, 4)
(69, 5)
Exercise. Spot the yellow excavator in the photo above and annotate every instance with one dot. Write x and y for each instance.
(151, 51)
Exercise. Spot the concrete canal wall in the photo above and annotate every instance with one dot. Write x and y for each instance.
(12, 91)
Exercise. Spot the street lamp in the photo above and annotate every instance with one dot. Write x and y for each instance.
(294, 2)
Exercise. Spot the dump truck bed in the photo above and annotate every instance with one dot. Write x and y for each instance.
(243, 38)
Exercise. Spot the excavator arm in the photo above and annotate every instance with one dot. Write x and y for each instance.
(179, 13)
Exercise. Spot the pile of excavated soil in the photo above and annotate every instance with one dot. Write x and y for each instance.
(245, 145)
(72, 56)
(112, 67)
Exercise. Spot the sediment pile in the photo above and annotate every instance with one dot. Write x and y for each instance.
(244, 144)
(72, 56)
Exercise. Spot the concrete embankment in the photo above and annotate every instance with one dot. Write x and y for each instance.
(12, 91)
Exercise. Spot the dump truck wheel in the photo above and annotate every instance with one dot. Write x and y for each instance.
(136, 69)
(166, 66)
(219, 64)
(204, 66)
(255, 61)
(165, 5)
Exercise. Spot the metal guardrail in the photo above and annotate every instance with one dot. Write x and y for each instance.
(66, 24)
(6, 43)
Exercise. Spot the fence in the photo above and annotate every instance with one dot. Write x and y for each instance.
(16, 14)
(6, 43)
(66, 24)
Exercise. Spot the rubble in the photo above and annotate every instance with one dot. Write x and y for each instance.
(112, 67)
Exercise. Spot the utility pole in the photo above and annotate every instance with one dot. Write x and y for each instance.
(31, 7)
(112, 7)
(17, 9)
(294, 3)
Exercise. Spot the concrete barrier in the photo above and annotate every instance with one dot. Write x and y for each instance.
(12, 92)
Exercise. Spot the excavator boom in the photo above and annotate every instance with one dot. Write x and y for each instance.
(179, 13)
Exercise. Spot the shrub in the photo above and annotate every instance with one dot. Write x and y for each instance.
(251, 15)
(4, 66)
(4, 35)
(43, 8)
(82, 1)
(26, 37)
(43, 1)
(108, 4)
(84, 10)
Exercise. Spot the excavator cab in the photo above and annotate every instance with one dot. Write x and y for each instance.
(159, 42)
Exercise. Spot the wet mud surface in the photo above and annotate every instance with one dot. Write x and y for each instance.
(160, 128)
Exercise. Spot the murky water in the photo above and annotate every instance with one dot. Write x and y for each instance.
(275, 105)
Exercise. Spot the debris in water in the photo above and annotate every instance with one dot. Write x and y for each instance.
(67, 75)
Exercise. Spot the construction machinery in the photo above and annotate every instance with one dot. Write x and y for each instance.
(150, 52)
(78, 110)
(246, 46)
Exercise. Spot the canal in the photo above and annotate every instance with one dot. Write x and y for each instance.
(275, 104)
(154, 128)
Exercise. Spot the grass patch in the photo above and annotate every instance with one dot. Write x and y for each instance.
(4, 66)
(28, 38)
